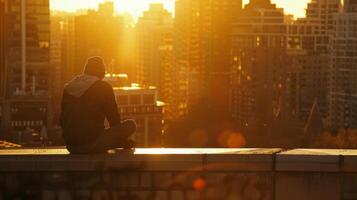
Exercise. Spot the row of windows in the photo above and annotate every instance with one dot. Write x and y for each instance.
(136, 99)
(27, 123)
(146, 109)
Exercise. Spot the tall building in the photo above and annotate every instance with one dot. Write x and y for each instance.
(154, 48)
(27, 68)
(2, 49)
(56, 45)
(128, 48)
(2, 60)
(260, 65)
(315, 28)
(68, 47)
(307, 83)
(98, 33)
(309, 51)
(202, 51)
(343, 72)
(62, 47)
(350, 6)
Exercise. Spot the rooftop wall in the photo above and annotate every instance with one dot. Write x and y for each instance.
(175, 174)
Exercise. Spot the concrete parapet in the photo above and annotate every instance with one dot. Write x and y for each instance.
(207, 174)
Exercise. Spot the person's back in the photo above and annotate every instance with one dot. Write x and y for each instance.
(87, 102)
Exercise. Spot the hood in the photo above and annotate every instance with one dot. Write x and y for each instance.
(80, 84)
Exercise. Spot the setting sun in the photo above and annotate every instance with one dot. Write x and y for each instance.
(136, 7)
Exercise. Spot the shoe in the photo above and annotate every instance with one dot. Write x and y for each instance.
(129, 144)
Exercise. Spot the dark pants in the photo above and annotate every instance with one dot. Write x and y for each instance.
(115, 137)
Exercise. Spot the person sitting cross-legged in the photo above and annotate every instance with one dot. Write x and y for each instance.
(87, 101)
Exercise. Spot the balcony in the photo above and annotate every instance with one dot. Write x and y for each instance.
(175, 174)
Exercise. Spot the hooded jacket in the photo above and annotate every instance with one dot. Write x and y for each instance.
(86, 102)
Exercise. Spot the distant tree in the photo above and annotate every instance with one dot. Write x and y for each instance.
(344, 139)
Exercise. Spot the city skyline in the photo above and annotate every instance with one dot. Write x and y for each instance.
(297, 8)
(178, 99)
(249, 67)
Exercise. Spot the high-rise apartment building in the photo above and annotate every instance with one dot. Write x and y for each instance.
(319, 19)
(56, 45)
(68, 47)
(307, 83)
(312, 33)
(62, 57)
(350, 6)
(309, 53)
(343, 72)
(202, 51)
(27, 47)
(27, 68)
(152, 29)
(98, 33)
(259, 63)
(154, 54)
(2, 49)
(2, 60)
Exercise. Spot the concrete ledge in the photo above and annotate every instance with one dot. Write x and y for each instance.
(313, 160)
(142, 160)
(207, 174)
(317, 160)
(241, 160)
(215, 160)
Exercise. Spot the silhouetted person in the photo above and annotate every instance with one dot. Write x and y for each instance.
(87, 101)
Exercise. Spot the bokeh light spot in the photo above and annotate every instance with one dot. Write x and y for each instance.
(230, 139)
(236, 140)
(199, 184)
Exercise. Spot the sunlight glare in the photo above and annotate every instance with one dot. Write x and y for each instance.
(136, 7)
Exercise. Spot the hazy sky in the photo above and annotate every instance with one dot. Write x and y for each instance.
(136, 7)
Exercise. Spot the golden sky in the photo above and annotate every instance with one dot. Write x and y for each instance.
(136, 7)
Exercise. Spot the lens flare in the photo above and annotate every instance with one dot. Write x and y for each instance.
(199, 184)
(231, 139)
(236, 140)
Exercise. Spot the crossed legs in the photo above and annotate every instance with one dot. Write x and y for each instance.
(115, 137)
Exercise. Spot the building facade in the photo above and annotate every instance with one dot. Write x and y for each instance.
(342, 80)
(2, 49)
(68, 47)
(62, 57)
(154, 54)
(152, 29)
(141, 104)
(27, 68)
(202, 51)
(2, 61)
(260, 65)
(307, 83)
(309, 42)
(56, 57)
(98, 33)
